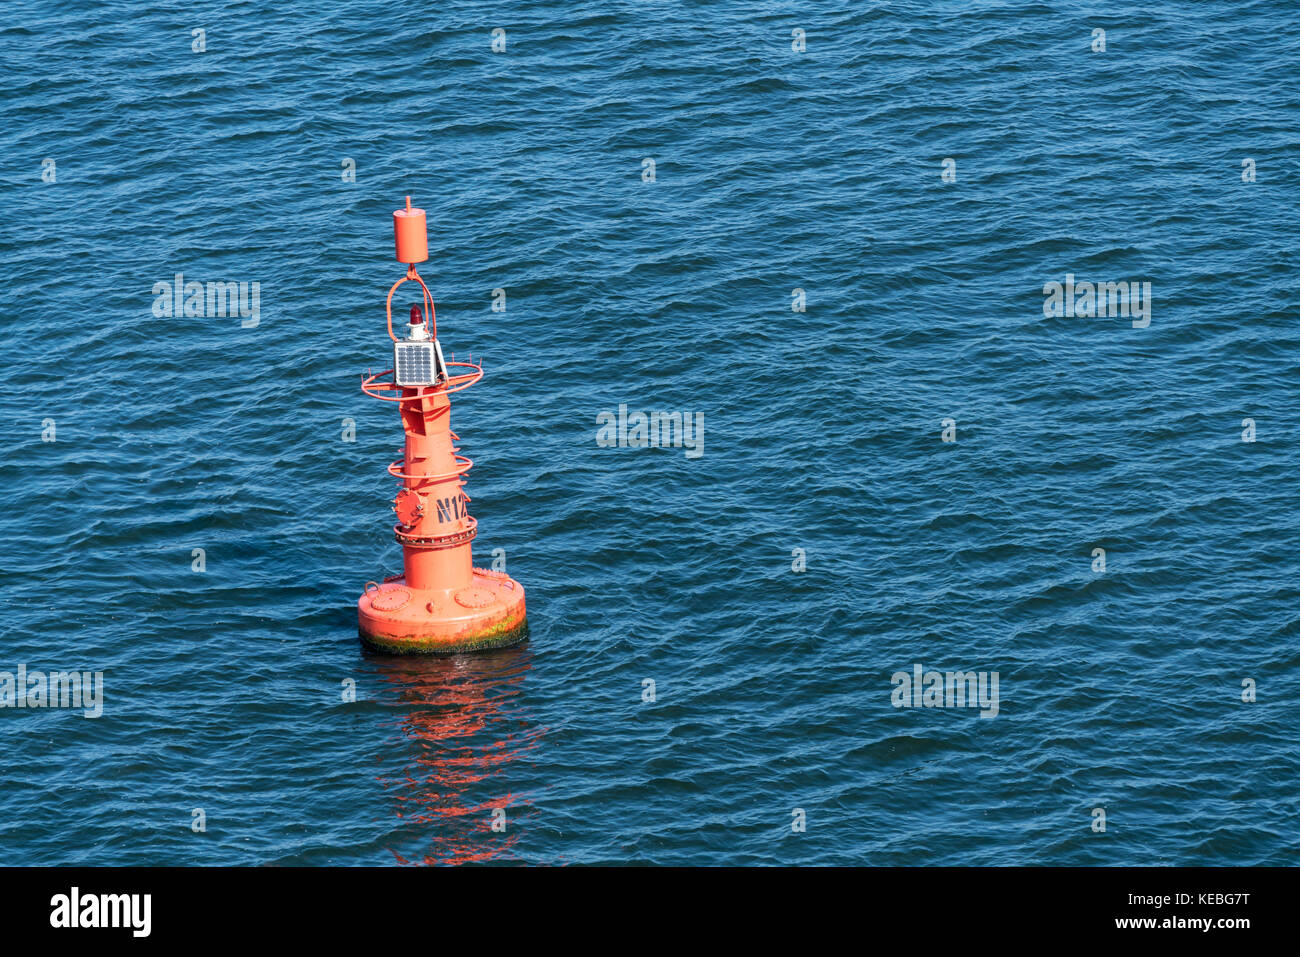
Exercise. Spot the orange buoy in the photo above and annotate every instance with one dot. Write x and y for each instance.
(441, 603)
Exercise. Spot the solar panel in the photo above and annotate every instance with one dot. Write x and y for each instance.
(416, 363)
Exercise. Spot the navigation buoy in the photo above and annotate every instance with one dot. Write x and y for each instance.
(441, 603)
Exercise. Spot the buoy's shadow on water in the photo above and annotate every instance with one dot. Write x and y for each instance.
(460, 728)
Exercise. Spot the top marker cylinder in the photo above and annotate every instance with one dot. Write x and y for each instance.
(411, 234)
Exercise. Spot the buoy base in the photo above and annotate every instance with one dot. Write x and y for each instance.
(488, 613)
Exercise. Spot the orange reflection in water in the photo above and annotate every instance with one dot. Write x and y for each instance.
(463, 718)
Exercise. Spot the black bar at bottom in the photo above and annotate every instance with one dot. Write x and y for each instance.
(330, 906)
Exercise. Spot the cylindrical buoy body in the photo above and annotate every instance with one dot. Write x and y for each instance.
(411, 234)
(441, 603)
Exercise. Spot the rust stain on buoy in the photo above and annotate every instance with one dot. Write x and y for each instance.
(441, 603)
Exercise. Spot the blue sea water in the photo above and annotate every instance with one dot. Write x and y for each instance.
(774, 170)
